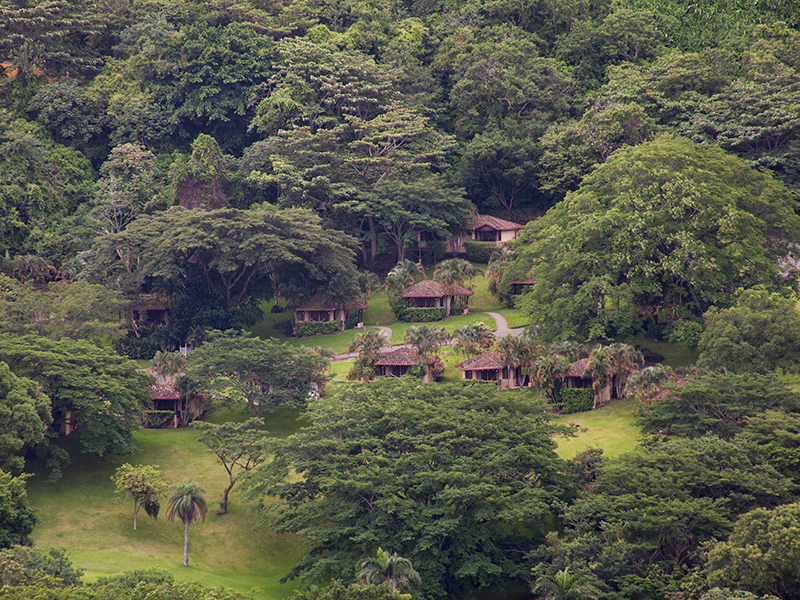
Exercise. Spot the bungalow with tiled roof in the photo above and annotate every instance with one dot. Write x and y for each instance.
(489, 366)
(397, 363)
(432, 294)
(578, 378)
(484, 228)
(318, 310)
(166, 398)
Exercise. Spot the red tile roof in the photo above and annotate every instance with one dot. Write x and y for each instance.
(578, 368)
(485, 220)
(487, 360)
(318, 303)
(433, 289)
(402, 356)
(164, 392)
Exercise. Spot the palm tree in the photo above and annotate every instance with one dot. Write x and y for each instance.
(426, 339)
(392, 569)
(368, 344)
(565, 586)
(403, 275)
(626, 360)
(187, 503)
(498, 263)
(548, 372)
(473, 339)
(601, 369)
(648, 382)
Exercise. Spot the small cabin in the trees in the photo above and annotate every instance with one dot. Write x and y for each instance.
(320, 310)
(484, 228)
(397, 363)
(432, 294)
(489, 366)
(165, 398)
(578, 378)
(151, 309)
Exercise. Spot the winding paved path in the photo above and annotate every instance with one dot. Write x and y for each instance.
(503, 329)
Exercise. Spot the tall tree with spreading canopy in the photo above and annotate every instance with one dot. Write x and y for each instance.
(239, 448)
(263, 374)
(456, 478)
(666, 226)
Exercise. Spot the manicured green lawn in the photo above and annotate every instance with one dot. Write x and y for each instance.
(79, 513)
(514, 317)
(450, 324)
(610, 427)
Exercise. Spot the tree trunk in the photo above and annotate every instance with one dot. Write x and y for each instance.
(224, 507)
(186, 543)
(373, 236)
(135, 513)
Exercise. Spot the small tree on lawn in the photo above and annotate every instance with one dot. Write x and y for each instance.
(144, 484)
(239, 447)
(187, 503)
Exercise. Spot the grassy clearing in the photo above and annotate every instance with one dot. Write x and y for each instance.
(80, 513)
(610, 427)
(514, 317)
(450, 324)
(675, 355)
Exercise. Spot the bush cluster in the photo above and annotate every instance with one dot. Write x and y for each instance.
(154, 419)
(575, 400)
(303, 328)
(418, 315)
(479, 252)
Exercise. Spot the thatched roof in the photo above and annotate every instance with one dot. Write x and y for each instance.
(578, 368)
(487, 360)
(479, 221)
(164, 392)
(399, 357)
(433, 289)
(318, 302)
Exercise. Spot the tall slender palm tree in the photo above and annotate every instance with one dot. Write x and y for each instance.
(187, 503)
(392, 569)
(627, 359)
(601, 369)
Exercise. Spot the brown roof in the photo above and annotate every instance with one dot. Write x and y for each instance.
(578, 368)
(487, 360)
(486, 221)
(151, 302)
(433, 289)
(402, 356)
(164, 392)
(318, 303)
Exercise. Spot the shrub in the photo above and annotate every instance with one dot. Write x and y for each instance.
(285, 327)
(154, 419)
(479, 252)
(417, 315)
(352, 319)
(575, 400)
(305, 328)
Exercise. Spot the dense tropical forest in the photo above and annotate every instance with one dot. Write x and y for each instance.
(212, 177)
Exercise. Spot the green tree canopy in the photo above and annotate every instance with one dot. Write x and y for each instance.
(239, 448)
(230, 249)
(663, 227)
(760, 333)
(101, 390)
(144, 484)
(17, 519)
(458, 479)
(262, 373)
(717, 403)
(24, 417)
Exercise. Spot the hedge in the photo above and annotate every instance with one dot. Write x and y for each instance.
(479, 252)
(304, 328)
(575, 400)
(417, 315)
(153, 419)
